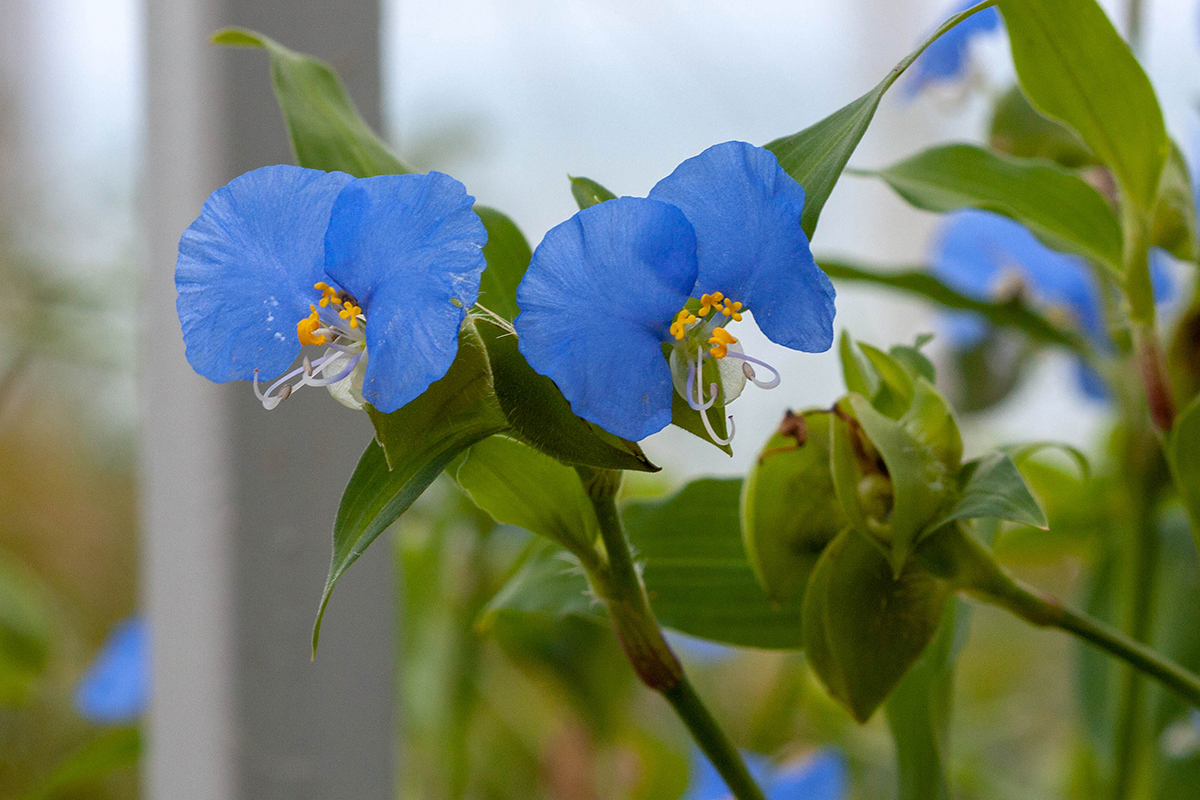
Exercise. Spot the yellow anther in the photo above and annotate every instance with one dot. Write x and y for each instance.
(710, 301)
(350, 310)
(682, 320)
(328, 293)
(306, 327)
(721, 339)
(733, 309)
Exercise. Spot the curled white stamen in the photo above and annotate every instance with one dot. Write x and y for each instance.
(748, 371)
(699, 403)
(311, 381)
(712, 433)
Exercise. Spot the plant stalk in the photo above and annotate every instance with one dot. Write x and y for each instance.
(618, 583)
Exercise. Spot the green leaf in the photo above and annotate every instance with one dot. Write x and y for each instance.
(507, 254)
(588, 193)
(895, 392)
(995, 489)
(326, 130)
(915, 363)
(550, 584)
(542, 417)
(696, 571)
(1183, 454)
(1017, 128)
(1075, 67)
(25, 632)
(1020, 453)
(816, 156)
(863, 628)
(107, 752)
(1007, 314)
(789, 510)
(412, 447)
(922, 450)
(519, 486)
(918, 715)
(1061, 208)
(1174, 225)
(860, 377)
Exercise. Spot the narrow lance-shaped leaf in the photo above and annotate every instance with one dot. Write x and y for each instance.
(994, 489)
(588, 193)
(816, 156)
(1007, 314)
(326, 130)
(1058, 206)
(1075, 67)
(414, 445)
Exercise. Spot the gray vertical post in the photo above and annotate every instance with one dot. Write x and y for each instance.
(238, 501)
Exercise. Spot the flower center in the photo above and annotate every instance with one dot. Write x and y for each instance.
(346, 339)
(698, 331)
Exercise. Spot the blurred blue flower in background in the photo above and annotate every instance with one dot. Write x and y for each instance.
(988, 256)
(115, 688)
(821, 775)
(948, 59)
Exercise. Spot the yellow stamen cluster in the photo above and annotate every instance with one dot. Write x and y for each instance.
(328, 294)
(721, 339)
(710, 301)
(350, 310)
(332, 297)
(306, 328)
(682, 320)
(732, 308)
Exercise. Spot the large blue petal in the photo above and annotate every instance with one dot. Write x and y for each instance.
(596, 304)
(246, 270)
(976, 248)
(115, 689)
(408, 247)
(946, 58)
(749, 243)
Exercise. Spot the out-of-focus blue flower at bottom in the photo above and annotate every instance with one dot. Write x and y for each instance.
(989, 257)
(818, 776)
(115, 689)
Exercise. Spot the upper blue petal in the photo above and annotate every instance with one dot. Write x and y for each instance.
(976, 248)
(115, 689)
(946, 58)
(408, 247)
(749, 243)
(246, 270)
(598, 301)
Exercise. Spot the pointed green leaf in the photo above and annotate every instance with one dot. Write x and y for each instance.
(412, 447)
(816, 156)
(863, 628)
(588, 193)
(520, 486)
(550, 583)
(326, 130)
(1019, 129)
(1061, 208)
(1008, 314)
(995, 489)
(789, 510)
(1174, 226)
(507, 254)
(1075, 67)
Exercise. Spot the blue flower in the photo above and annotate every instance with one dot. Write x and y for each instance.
(819, 776)
(947, 59)
(609, 288)
(379, 270)
(983, 255)
(115, 689)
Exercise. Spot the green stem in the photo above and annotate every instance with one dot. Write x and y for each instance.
(618, 583)
(1144, 567)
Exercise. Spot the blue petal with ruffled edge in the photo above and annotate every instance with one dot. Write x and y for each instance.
(246, 270)
(408, 247)
(597, 303)
(115, 689)
(946, 59)
(749, 243)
